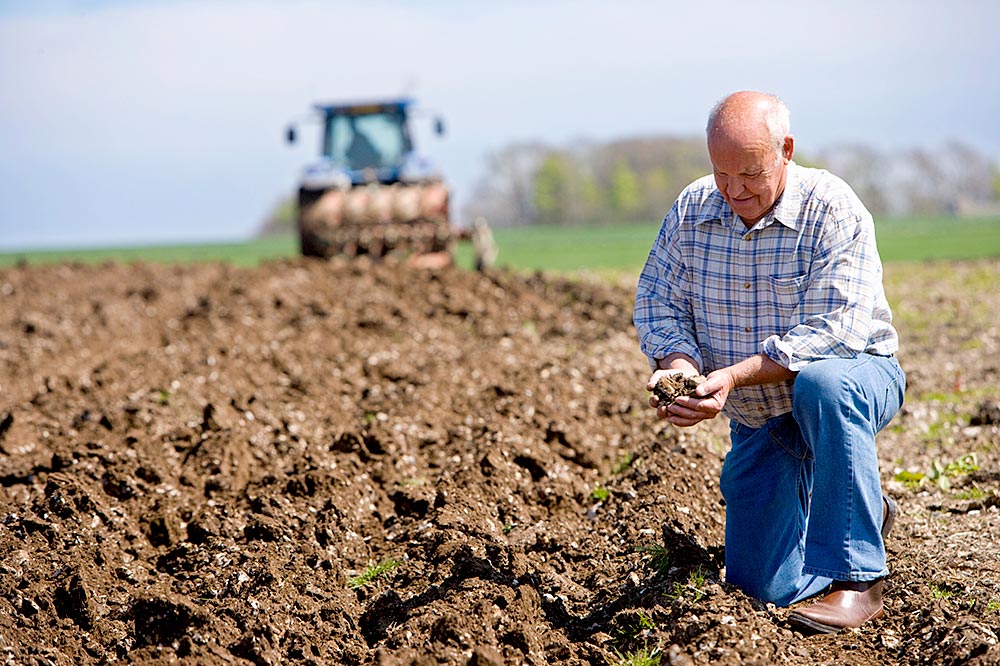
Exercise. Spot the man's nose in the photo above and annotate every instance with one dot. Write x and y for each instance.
(735, 185)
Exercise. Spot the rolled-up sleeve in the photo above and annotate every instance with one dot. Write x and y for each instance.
(662, 315)
(838, 299)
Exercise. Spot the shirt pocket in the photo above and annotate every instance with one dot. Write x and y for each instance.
(786, 294)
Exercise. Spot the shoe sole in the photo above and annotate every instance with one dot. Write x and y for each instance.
(889, 518)
(813, 624)
(819, 627)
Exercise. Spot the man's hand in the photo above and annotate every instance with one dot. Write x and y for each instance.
(707, 402)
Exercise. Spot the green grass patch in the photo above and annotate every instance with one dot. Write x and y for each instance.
(572, 249)
(693, 589)
(912, 480)
(940, 592)
(643, 657)
(940, 473)
(659, 558)
(927, 238)
(604, 250)
(646, 622)
(623, 463)
(600, 494)
(974, 493)
(373, 573)
(249, 253)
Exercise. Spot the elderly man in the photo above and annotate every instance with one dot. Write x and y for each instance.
(765, 277)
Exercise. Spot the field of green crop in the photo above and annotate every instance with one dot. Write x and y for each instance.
(624, 248)
(242, 254)
(614, 250)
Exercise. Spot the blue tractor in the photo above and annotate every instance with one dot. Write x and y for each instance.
(370, 193)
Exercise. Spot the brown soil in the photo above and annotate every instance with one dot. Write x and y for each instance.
(198, 462)
(671, 386)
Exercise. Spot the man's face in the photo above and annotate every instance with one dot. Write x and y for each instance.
(748, 173)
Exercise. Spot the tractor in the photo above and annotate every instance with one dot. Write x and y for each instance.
(369, 193)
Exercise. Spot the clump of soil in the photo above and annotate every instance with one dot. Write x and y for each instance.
(207, 465)
(673, 385)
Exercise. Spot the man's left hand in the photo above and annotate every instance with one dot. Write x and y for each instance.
(708, 401)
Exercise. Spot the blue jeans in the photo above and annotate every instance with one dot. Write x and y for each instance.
(803, 493)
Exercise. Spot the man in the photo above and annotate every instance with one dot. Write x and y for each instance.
(765, 277)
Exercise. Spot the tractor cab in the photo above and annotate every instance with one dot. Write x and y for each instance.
(371, 141)
(368, 143)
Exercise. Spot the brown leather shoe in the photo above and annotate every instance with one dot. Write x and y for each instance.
(848, 605)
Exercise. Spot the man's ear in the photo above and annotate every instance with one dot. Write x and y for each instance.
(788, 149)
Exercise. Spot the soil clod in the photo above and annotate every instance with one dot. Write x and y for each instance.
(671, 386)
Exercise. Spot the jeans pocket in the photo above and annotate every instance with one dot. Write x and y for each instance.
(785, 434)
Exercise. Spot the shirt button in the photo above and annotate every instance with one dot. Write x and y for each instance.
(747, 329)
(746, 285)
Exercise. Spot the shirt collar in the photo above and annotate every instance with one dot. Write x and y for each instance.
(786, 208)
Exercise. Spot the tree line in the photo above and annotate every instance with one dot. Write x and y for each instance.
(638, 179)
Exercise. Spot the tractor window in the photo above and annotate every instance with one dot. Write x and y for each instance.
(368, 141)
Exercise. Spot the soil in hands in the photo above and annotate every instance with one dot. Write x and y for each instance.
(673, 385)
(343, 463)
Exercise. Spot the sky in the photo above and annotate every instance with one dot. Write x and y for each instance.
(146, 122)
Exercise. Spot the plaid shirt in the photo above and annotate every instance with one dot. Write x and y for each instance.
(804, 284)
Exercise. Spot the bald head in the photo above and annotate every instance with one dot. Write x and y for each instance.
(750, 115)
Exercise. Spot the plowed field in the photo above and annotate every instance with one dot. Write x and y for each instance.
(207, 465)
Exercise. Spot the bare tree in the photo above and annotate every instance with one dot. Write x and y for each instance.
(504, 196)
(915, 181)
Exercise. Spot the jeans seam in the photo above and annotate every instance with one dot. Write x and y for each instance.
(850, 445)
(890, 386)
